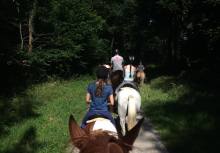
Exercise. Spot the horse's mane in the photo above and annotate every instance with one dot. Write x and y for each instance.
(101, 133)
(112, 137)
(102, 137)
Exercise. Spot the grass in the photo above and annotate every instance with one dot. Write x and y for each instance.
(37, 120)
(184, 112)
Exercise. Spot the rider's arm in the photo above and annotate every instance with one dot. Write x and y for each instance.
(111, 65)
(123, 62)
(134, 69)
(111, 103)
(88, 99)
(111, 100)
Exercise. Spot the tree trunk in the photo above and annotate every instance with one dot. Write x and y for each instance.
(20, 26)
(30, 27)
(21, 36)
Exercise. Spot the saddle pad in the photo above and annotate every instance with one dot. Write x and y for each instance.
(105, 125)
(95, 119)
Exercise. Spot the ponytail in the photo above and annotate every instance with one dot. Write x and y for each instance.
(99, 88)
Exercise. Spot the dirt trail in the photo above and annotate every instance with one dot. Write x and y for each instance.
(148, 140)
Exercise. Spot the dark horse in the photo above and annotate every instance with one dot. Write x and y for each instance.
(116, 78)
(101, 141)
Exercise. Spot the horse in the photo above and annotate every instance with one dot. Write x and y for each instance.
(140, 77)
(116, 78)
(129, 104)
(100, 140)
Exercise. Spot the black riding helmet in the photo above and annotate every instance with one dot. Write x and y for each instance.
(102, 72)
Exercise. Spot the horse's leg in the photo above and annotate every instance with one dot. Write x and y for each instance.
(142, 78)
(122, 110)
(132, 112)
(138, 106)
(122, 123)
(122, 117)
(138, 77)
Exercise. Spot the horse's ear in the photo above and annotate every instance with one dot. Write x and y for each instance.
(131, 135)
(76, 132)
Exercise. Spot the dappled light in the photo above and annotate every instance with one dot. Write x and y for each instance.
(50, 50)
(187, 118)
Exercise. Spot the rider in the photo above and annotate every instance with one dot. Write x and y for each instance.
(140, 67)
(129, 71)
(140, 74)
(117, 62)
(97, 97)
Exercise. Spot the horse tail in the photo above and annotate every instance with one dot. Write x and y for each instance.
(131, 112)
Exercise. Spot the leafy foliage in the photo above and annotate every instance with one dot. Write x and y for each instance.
(73, 36)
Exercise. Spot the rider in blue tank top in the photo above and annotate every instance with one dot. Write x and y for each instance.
(98, 94)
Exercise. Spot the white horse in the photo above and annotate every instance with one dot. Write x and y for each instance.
(129, 103)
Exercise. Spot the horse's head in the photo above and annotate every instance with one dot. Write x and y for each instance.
(101, 141)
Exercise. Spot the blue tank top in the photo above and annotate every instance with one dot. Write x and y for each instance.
(129, 76)
(99, 103)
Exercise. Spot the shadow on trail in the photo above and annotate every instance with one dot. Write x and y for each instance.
(27, 144)
(16, 110)
(191, 123)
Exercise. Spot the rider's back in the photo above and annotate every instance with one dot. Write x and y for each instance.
(129, 73)
(117, 62)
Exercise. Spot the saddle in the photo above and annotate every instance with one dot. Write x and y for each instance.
(103, 124)
(96, 119)
(126, 84)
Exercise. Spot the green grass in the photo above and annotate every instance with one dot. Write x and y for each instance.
(186, 115)
(37, 120)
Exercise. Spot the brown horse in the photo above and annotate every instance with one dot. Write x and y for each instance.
(140, 77)
(101, 141)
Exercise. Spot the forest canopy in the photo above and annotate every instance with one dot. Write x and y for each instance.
(44, 38)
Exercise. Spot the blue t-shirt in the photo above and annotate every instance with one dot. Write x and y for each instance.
(99, 103)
